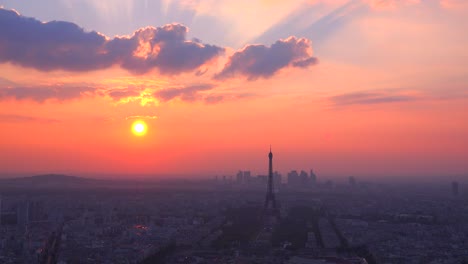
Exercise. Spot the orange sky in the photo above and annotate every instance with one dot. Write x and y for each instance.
(362, 89)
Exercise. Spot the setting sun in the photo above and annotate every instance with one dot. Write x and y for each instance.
(139, 128)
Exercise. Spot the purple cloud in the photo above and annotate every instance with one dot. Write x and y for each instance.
(365, 98)
(214, 99)
(260, 61)
(41, 94)
(122, 93)
(7, 118)
(189, 93)
(59, 45)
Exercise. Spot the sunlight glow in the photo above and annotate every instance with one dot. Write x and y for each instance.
(139, 128)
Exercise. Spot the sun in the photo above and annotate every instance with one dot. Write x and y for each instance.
(139, 128)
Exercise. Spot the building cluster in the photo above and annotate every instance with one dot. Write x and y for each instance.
(303, 179)
(384, 223)
(293, 179)
(189, 224)
(104, 227)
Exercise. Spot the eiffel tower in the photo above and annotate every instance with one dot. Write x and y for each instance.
(270, 195)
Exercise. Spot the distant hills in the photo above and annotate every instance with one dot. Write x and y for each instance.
(66, 182)
(48, 180)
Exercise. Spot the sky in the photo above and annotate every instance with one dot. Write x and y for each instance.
(369, 88)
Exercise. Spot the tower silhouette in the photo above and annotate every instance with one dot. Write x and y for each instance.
(270, 195)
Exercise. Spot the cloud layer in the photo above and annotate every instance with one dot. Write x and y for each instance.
(41, 94)
(59, 45)
(260, 61)
(366, 98)
(189, 93)
(10, 118)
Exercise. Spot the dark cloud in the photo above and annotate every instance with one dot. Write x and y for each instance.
(189, 93)
(260, 61)
(59, 45)
(365, 98)
(7, 118)
(49, 46)
(41, 94)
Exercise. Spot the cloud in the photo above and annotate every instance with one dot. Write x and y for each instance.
(260, 61)
(189, 93)
(8, 118)
(141, 117)
(164, 48)
(222, 97)
(366, 98)
(59, 45)
(41, 94)
(6, 83)
(213, 99)
(118, 94)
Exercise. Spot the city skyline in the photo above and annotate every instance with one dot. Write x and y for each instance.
(362, 88)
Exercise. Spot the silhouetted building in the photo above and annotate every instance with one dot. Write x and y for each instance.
(247, 177)
(313, 178)
(243, 177)
(277, 180)
(293, 178)
(455, 188)
(240, 177)
(262, 179)
(304, 178)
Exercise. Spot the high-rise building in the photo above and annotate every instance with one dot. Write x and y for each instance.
(240, 177)
(293, 179)
(247, 177)
(277, 180)
(313, 177)
(304, 178)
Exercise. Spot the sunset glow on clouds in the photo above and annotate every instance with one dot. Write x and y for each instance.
(363, 87)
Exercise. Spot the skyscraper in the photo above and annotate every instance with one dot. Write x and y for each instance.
(239, 177)
(313, 177)
(247, 177)
(293, 179)
(304, 178)
(277, 180)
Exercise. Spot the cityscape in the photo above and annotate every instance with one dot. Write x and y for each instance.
(246, 219)
(234, 132)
